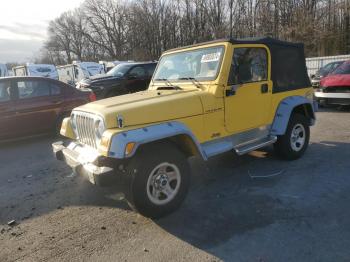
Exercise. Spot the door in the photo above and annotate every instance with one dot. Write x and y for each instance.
(248, 91)
(37, 106)
(7, 111)
(137, 79)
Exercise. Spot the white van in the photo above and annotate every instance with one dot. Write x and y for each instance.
(3, 70)
(73, 73)
(42, 70)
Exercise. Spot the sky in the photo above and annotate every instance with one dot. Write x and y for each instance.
(23, 26)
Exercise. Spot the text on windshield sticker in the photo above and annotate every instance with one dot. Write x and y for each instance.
(212, 57)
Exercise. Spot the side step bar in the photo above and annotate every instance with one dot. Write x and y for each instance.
(241, 150)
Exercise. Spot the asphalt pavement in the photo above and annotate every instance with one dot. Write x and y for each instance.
(251, 208)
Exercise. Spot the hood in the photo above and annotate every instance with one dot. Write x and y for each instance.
(147, 107)
(336, 80)
(101, 79)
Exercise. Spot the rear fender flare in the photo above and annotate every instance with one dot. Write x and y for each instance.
(284, 111)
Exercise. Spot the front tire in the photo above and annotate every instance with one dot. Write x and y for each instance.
(161, 178)
(293, 144)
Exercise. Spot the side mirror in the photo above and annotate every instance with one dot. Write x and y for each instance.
(233, 76)
(230, 92)
(232, 89)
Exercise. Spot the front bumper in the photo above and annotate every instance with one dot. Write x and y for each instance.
(84, 161)
(333, 98)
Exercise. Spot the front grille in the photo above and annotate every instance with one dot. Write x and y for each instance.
(337, 89)
(86, 129)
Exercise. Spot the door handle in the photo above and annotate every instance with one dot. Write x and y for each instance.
(264, 88)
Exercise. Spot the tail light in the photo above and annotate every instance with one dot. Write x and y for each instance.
(92, 97)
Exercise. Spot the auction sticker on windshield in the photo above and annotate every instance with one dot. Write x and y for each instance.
(212, 57)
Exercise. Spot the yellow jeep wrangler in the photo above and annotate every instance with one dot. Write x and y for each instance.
(204, 100)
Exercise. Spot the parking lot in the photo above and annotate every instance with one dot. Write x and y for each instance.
(235, 210)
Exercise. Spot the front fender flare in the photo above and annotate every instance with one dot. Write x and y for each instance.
(149, 134)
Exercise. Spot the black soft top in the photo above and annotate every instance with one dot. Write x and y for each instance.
(288, 66)
(269, 41)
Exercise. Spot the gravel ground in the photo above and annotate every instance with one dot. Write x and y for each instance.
(302, 214)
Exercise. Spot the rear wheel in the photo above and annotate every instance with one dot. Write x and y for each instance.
(161, 177)
(294, 142)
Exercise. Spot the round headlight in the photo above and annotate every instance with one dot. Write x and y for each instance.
(99, 128)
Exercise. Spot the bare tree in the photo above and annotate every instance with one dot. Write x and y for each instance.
(143, 29)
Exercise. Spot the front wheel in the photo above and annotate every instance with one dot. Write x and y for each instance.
(161, 177)
(295, 141)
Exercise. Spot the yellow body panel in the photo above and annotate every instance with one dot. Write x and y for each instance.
(202, 107)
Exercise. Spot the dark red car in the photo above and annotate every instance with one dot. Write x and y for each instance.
(36, 105)
(335, 88)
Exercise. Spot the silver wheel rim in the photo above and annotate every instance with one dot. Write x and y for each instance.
(163, 183)
(298, 137)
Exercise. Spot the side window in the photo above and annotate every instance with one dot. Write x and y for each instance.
(32, 88)
(137, 71)
(248, 65)
(4, 91)
(55, 89)
(150, 69)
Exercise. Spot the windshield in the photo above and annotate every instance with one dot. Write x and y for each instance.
(329, 68)
(342, 69)
(199, 64)
(119, 70)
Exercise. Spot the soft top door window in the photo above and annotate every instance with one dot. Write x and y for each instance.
(248, 65)
(32, 88)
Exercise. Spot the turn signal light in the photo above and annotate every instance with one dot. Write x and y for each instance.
(129, 148)
(92, 97)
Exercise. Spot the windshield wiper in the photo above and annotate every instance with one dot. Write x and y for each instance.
(194, 81)
(169, 85)
(164, 79)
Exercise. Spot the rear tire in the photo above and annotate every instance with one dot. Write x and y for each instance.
(161, 178)
(293, 144)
